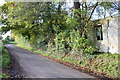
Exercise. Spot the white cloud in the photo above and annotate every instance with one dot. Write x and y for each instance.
(2, 2)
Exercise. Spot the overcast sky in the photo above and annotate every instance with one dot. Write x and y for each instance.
(2, 2)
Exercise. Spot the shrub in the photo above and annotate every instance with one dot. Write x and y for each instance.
(89, 50)
(71, 40)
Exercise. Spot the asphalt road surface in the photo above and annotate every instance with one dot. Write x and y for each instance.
(36, 66)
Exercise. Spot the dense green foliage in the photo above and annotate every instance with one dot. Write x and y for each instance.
(41, 25)
(5, 58)
(70, 40)
(3, 76)
(50, 27)
(44, 23)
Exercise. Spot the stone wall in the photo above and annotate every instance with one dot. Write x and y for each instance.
(111, 38)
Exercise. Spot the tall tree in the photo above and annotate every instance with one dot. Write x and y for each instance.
(85, 11)
(34, 18)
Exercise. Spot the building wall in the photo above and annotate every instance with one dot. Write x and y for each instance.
(111, 38)
(119, 35)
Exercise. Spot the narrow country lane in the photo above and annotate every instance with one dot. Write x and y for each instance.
(36, 66)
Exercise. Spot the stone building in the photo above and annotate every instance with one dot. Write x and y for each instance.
(107, 34)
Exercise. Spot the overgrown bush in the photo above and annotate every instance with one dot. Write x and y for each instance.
(61, 42)
(89, 50)
(5, 58)
(71, 40)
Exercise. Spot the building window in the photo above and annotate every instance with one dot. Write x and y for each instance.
(99, 33)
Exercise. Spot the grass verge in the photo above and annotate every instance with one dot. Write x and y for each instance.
(5, 61)
(104, 63)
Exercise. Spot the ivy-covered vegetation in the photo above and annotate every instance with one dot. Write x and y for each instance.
(49, 26)
(4, 61)
(5, 58)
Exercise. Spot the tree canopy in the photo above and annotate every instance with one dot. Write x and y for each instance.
(48, 22)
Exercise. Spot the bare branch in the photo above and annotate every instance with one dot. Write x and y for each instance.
(92, 11)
